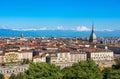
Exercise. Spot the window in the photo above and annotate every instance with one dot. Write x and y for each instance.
(65, 55)
(60, 55)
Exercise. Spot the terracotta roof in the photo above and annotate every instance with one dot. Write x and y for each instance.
(43, 55)
(63, 50)
(36, 57)
(95, 50)
(23, 51)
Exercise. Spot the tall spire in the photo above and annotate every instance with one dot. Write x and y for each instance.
(93, 37)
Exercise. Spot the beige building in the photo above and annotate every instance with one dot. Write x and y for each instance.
(25, 54)
(41, 58)
(76, 56)
(59, 56)
(60, 59)
(63, 56)
(15, 56)
(1, 58)
(100, 56)
(12, 56)
(52, 58)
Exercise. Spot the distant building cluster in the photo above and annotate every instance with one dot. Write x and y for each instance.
(109, 40)
(59, 51)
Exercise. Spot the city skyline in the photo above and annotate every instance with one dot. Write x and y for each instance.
(60, 15)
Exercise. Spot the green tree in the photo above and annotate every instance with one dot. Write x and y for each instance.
(114, 72)
(13, 76)
(43, 71)
(106, 73)
(117, 64)
(83, 70)
(110, 73)
(25, 61)
(21, 76)
(1, 76)
(68, 73)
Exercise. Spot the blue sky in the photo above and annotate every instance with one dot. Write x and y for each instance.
(60, 14)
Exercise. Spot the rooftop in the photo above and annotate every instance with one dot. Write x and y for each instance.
(95, 50)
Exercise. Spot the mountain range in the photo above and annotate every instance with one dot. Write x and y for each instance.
(56, 33)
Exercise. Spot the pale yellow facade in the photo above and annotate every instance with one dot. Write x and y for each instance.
(11, 57)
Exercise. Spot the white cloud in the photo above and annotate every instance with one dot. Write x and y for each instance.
(4, 27)
(60, 28)
(29, 29)
(82, 28)
(108, 30)
(104, 30)
(44, 28)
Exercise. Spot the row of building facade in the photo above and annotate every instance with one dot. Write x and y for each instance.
(58, 56)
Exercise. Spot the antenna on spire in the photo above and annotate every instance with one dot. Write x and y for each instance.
(92, 26)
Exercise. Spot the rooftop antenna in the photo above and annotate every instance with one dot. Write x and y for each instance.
(92, 26)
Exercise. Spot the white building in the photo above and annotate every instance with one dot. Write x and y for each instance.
(63, 56)
(100, 56)
(76, 56)
(25, 54)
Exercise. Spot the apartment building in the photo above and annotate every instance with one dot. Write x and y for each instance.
(76, 56)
